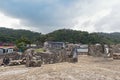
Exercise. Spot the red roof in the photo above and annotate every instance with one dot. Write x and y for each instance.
(7, 46)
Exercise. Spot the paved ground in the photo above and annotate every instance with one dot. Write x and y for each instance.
(88, 68)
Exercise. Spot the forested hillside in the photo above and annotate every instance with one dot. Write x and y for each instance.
(65, 35)
(11, 35)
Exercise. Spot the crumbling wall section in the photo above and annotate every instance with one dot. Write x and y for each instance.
(115, 48)
(96, 50)
(52, 56)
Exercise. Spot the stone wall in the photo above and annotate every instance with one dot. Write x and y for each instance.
(49, 57)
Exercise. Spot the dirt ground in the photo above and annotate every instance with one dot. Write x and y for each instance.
(88, 68)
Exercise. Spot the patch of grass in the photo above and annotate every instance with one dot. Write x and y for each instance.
(40, 50)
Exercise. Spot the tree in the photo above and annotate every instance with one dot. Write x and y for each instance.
(40, 40)
(22, 43)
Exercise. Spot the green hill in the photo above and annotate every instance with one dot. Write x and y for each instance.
(68, 35)
(11, 35)
(64, 35)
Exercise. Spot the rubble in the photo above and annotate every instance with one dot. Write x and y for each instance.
(51, 56)
(96, 50)
(100, 51)
(116, 51)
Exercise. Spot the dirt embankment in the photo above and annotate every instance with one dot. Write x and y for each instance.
(88, 68)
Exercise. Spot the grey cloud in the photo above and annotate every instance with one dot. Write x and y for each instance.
(40, 13)
(111, 22)
(49, 15)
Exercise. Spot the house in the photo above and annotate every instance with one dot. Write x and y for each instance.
(56, 45)
(6, 49)
(1, 51)
(82, 49)
(31, 46)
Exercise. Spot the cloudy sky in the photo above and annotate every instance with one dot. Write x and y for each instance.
(48, 15)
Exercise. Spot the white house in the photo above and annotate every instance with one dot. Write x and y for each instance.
(82, 49)
(1, 51)
(6, 49)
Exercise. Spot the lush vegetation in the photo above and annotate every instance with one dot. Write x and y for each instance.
(22, 43)
(11, 35)
(73, 36)
(23, 37)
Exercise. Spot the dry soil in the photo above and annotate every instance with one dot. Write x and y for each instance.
(88, 68)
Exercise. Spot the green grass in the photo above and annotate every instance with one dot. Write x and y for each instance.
(40, 50)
